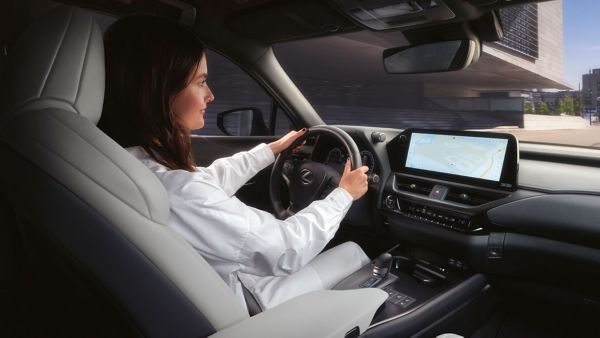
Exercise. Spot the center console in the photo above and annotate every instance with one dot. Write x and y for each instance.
(441, 186)
(421, 292)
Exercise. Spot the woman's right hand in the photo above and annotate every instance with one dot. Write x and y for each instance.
(354, 181)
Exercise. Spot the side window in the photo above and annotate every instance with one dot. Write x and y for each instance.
(233, 90)
(252, 111)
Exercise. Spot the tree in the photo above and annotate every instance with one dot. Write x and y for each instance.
(528, 107)
(569, 105)
(560, 107)
(579, 104)
(543, 108)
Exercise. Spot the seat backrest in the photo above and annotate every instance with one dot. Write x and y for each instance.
(94, 204)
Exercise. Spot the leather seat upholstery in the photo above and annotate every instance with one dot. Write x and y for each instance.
(94, 202)
(82, 199)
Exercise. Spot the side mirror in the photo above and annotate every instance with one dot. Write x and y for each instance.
(242, 122)
(434, 57)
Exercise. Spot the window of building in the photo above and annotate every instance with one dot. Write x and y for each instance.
(521, 29)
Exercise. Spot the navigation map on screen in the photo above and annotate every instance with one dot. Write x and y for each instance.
(478, 157)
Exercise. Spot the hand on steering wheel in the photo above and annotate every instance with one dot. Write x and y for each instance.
(308, 180)
(286, 141)
(354, 181)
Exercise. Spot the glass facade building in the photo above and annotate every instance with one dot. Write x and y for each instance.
(521, 29)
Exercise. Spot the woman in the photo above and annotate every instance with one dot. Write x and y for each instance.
(156, 94)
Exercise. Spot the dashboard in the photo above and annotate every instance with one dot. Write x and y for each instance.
(546, 228)
(439, 176)
(326, 150)
(520, 206)
(495, 194)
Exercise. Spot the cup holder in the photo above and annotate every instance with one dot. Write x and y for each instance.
(406, 265)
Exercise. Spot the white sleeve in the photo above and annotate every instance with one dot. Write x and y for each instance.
(225, 229)
(230, 173)
(280, 247)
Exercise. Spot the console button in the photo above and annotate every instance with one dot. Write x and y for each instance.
(391, 292)
(397, 299)
(439, 192)
(406, 302)
(432, 215)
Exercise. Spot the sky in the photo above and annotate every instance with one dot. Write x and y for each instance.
(581, 38)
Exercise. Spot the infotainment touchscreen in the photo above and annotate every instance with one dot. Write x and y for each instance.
(485, 159)
(477, 157)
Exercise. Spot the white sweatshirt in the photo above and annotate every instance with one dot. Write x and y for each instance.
(234, 237)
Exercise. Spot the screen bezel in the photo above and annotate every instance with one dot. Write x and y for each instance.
(508, 176)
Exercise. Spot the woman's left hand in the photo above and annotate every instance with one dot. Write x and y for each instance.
(286, 141)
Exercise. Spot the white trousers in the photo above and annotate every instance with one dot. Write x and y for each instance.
(323, 272)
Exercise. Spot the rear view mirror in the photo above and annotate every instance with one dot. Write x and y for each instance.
(434, 57)
(242, 122)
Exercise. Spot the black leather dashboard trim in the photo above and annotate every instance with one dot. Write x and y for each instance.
(564, 217)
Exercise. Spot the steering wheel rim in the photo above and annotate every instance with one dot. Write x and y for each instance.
(277, 173)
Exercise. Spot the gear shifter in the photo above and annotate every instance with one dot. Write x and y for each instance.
(381, 265)
(381, 268)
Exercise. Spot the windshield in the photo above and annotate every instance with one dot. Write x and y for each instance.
(540, 82)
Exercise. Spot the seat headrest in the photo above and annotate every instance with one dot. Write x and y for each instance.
(57, 63)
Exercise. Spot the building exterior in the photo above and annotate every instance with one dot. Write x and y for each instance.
(521, 29)
(529, 57)
(590, 88)
(514, 72)
(493, 92)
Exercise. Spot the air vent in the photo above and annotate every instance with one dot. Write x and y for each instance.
(413, 186)
(471, 197)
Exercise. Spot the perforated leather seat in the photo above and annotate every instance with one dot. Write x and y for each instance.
(103, 213)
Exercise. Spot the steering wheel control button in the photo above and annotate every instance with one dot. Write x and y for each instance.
(288, 167)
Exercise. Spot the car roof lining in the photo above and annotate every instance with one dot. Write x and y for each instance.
(253, 19)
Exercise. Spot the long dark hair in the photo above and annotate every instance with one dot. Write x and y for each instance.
(148, 61)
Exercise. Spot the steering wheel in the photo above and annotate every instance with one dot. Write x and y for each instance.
(307, 180)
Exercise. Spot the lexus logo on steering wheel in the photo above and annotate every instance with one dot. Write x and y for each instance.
(306, 176)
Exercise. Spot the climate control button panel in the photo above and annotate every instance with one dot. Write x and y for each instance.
(440, 217)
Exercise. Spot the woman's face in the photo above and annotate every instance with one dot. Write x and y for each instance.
(189, 105)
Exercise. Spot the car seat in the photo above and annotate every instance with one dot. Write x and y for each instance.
(83, 201)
